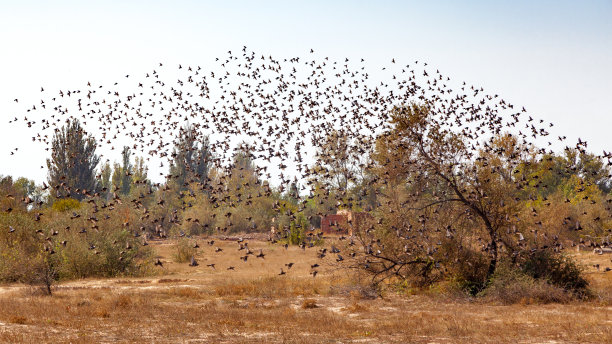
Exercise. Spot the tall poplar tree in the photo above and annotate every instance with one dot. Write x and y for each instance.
(73, 162)
(191, 159)
(126, 171)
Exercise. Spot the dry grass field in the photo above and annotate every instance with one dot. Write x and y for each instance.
(254, 304)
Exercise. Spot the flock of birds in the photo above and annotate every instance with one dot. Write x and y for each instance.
(281, 110)
(278, 111)
(243, 245)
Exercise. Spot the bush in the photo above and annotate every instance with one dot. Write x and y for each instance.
(110, 257)
(184, 251)
(297, 230)
(510, 285)
(467, 267)
(60, 246)
(66, 204)
(538, 269)
(558, 269)
(19, 250)
(41, 272)
(309, 304)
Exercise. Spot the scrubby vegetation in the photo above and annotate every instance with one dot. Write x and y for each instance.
(497, 225)
(66, 241)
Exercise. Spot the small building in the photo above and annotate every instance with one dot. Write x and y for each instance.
(335, 224)
(343, 222)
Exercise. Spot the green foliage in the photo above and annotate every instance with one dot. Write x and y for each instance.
(558, 269)
(126, 171)
(320, 202)
(140, 170)
(117, 176)
(293, 194)
(66, 204)
(510, 285)
(190, 159)
(467, 268)
(73, 162)
(28, 188)
(105, 175)
(62, 246)
(297, 230)
(184, 251)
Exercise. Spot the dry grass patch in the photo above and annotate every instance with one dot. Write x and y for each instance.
(356, 307)
(17, 319)
(309, 304)
(186, 292)
(170, 280)
(130, 282)
(255, 305)
(274, 287)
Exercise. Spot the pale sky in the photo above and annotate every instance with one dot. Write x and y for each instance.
(553, 57)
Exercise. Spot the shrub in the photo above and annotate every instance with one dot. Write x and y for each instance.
(309, 304)
(17, 319)
(558, 269)
(59, 246)
(66, 204)
(42, 272)
(467, 268)
(22, 258)
(297, 230)
(184, 251)
(510, 285)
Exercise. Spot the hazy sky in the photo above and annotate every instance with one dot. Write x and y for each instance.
(553, 57)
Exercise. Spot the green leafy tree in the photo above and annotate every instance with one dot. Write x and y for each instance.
(105, 175)
(297, 229)
(140, 169)
(191, 159)
(126, 171)
(117, 177)
(73, 162)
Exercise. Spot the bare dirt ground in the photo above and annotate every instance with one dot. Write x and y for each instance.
(254, 304)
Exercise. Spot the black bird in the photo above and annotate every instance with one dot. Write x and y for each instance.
(194, 262)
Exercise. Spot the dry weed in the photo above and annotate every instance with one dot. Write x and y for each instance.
(17, 319)
(309, 304)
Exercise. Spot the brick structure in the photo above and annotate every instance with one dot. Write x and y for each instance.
(334, 224)
(343, 222)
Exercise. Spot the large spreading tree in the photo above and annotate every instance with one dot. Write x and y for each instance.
(438, 192)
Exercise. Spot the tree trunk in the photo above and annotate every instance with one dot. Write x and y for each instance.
(493, 251)
(48, 288)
